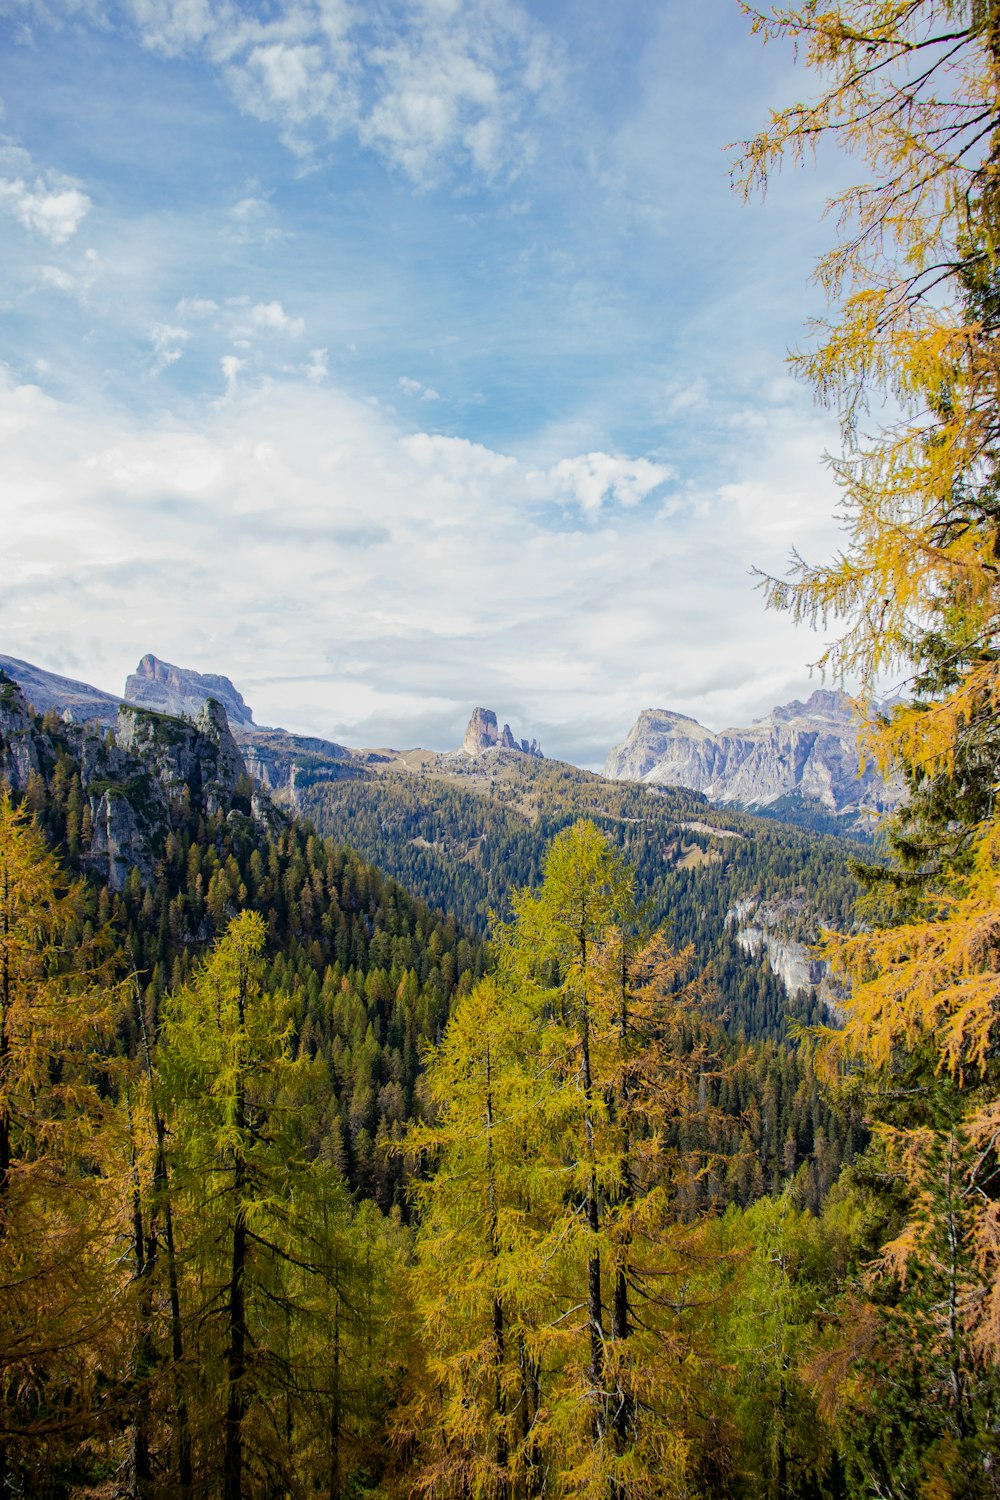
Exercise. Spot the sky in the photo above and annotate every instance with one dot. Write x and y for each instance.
(395, 357)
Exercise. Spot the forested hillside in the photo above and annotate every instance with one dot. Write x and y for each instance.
(213, 1175)
(464, 833)
(198, 1303)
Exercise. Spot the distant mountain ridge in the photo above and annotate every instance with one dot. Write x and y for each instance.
(76, 701)
(460, 829)
(801, 753)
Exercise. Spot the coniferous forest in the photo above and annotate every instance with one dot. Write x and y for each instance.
(334, 1164)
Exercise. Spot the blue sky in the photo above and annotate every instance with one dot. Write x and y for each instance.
(398, 358)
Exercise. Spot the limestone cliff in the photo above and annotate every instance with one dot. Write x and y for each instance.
(199, 760)
(181, 692)
(282, 764)
(138, 782)
(785, 932)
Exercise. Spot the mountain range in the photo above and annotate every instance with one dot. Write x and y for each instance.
(801, 762)
(459, 829)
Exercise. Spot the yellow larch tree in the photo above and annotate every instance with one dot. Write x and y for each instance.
(64, 1318)
(912, 352)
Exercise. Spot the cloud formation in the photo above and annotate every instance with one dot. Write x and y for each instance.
(411, 387)
(429, 85)
(406, 575)
(168, 345)
(593, 478)
(272, 316)
(45, 202)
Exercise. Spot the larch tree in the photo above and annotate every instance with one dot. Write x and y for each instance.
(549, 1252)
(912, 87)
(64, 1324)
(259, 1218)
(479, 1280)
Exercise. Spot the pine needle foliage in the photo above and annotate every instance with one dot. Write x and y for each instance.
(912, 87)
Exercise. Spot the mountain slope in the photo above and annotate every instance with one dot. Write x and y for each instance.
(64, 695)
(462, 831)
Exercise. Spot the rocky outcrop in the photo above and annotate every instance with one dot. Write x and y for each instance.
(19, 736)
(282, 764)
(123, 833)
(287, 764)
(199, 760)
(802, 751)
(136, 784)
(784, 932)
(179, 691)
(483, 734)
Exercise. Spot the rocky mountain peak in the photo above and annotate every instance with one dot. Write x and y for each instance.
(483, 733)
(179, 691)
(824, 703)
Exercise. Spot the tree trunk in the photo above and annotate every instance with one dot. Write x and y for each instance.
(621, 1326)
(498, 1316)
(232, 1463)
(335, 1409)
(595, 1311)
(236, 1363)
(139, 1467)
(161, 1197)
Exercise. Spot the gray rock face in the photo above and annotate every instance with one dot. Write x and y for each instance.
(200, 759)
(784, 932)
(806, 751)
(19, 748)
(139, 782)
(286, 765)
(283, 764)
(483, 733)
(179, 691)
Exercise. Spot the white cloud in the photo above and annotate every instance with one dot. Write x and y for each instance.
(250, 208)
(417, 388)
(56, 277)
(73, 278)
(168, 345)
(429, 86)
(403, 577)
(196, 307)
(316, 369)
(592, 478)
(231, 367)
(52, 205)
(272, 316)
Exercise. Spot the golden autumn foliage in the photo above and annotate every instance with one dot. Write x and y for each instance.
(912, 352)
(913, 89)
(552, 1251)
(60, 1191)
